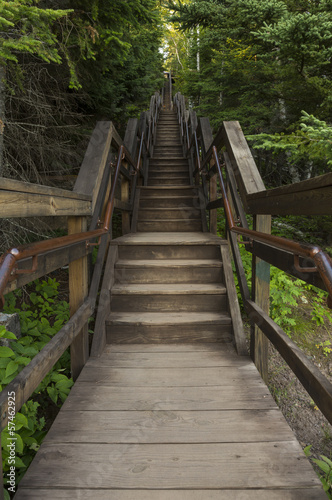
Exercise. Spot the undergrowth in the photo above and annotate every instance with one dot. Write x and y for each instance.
(42, 314)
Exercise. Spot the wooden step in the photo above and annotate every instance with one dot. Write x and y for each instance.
(169, 225)
(183, 213)
(168, 271)
(169, 202)
(158, 252)
(165, 172)
(157, 191)
(168, 297)
(169, 181)
(168, 327)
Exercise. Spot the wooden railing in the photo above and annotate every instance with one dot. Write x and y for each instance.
(96, 193)
(244, 192)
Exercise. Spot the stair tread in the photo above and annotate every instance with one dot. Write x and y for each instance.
(167, 318)
(169, 288)
(169, 263)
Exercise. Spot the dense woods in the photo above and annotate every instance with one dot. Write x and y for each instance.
(266, 63)
(63, 69)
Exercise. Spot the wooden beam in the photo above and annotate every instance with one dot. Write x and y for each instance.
(30, 377)
(316, 201)
(233, 303)
(214, 204)
(48, 262)
(28, 187)
(285, 261)
(261, 295)
(247, 175)
(318, 387)
(99, 337)
(92, 170)
(78, 291)
(20, 204)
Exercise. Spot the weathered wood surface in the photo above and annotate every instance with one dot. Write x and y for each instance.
(87, 494)
(22, 204)
(260, 293)
(162, 441)
(78, 291)
(47, 263)
(95, 159)
(28, 187)
(99, 338)
(247, 175)
(233, 303)
(310, 197)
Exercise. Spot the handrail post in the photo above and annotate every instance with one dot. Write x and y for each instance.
(78, 291)
(261, 295)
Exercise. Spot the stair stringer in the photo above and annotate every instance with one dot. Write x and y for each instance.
(104, 304)
(233, 303)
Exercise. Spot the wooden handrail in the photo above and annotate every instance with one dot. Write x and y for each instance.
(316, 384)
(8, 262)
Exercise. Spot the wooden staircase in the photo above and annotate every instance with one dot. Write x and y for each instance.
(170, 411)
(169, 283)
(169, 202)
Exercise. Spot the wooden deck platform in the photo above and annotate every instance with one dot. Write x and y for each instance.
(170, 422)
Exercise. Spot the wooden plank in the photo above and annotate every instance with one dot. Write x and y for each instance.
(314, 183)
(213, 212)
(99, 337)
(78, 291)
(98, 267)
(155, 377)
(205, 135)
(94, 162)
(315, 202)
(244, 167)
(130, 138)
(233, 190)
(48, 262)
(260, 292)
(233, 303)
(125, 185)
(161, 426)
(122, 205)
(285, 261)
(30, 377)
(28, 187)
(17, 204)
(317, 385)
(170, 466)
(199, 359)
(226, 350)
(249, 395)
(97, 494)
(135, 210)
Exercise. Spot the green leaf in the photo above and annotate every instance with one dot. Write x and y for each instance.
(53, 393)
(11, 368)
(19, 463)
(6, 352)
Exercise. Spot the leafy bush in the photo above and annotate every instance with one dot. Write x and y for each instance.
(41, 318)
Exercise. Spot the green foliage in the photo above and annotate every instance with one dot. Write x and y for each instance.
(312, 140)
(41, 317)
(325, 465)
(26, 28)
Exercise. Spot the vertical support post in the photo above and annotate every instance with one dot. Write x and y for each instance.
(125, 198)
(261, 295)
(78, 291)
(213, 213)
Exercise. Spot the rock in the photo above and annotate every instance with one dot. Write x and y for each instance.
(12, 324)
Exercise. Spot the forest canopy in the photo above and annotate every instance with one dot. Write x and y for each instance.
(65, 64)
(266, 63)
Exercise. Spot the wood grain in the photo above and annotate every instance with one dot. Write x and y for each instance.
(171, 466)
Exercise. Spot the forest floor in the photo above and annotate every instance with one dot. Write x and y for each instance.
(305, 419)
